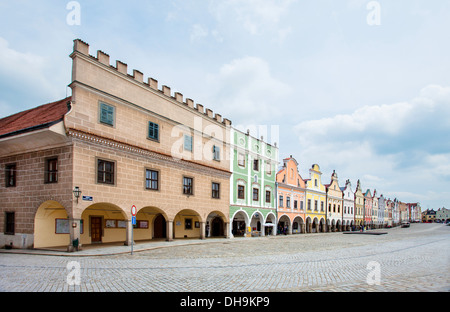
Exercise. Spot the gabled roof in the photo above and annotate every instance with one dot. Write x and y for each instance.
(36, 118)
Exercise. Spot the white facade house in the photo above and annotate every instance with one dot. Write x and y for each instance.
(349, 206)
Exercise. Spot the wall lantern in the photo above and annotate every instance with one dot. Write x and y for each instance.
(76, 192)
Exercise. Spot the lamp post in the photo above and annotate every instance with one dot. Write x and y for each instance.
(76, 192)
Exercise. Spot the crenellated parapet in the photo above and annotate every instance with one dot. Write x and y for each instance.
(151, 83)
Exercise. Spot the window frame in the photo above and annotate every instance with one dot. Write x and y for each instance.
(51, 176)
(10, 173)
(190, 187)
(154, 129)
(146, 179)
(9, 224)
(239, 191)
(100, 114)
(97, 171)
(215, 192)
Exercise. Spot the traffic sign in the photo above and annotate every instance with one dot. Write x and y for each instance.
(133, 220)
(133, 211)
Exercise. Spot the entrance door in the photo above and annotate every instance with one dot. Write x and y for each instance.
(217, 227)
(96, 229)
(159, 227)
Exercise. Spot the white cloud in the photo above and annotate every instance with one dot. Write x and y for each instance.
(198, 32)
(246, 91)
(389, 147)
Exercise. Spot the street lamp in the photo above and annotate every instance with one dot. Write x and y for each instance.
(76, 192)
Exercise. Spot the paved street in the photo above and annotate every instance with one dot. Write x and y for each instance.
(405, 259)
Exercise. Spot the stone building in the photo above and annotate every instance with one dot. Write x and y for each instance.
(72, 169)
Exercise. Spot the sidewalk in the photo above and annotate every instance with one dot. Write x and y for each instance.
(108, 249)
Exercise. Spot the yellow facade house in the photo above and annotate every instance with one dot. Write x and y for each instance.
(315, 196)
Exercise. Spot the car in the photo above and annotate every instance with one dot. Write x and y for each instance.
(405, 224)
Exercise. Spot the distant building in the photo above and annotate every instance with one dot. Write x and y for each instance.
(443, 214)
(429, 215)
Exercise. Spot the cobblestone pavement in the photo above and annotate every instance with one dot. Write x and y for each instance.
(404, 259)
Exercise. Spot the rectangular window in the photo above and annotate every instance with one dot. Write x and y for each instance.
(295, 204)
(268, 168)
(256, 164)
(301, 205)
(316, 206)
(309, 204)
(281, 201)
(51, 170)
(151, 179)
(215, 190)
(241, 192)
(188, 224)
(9, 223)
(10, 175)
(315, 182)
(216, 152)
(268, 200)
(321, 206)
(107, 114)
(188, 186)
(153, 131)
(255, 194)
(188, 143)
(105, 171)
(241, 160)
(288, 202)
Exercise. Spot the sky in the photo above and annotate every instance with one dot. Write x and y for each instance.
(360, 87)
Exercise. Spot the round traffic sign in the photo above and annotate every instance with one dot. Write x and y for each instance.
(133, 211)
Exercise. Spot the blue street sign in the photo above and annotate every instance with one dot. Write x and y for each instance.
(133, 220)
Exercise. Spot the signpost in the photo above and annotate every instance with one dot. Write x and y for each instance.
(133, 222)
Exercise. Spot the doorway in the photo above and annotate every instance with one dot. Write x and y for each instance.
(96, 229)
(159, 227)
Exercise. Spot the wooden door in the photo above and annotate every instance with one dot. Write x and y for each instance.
(159, 227)
(96, 229)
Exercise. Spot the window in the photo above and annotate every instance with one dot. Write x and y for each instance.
(301, 205)
(329, 207)
(268, 197)
(188, 224)
(256, 164)
(281, 201)
(255, 194)
(106, 114)
(241, 160)
(10, 175)
(188, 186)
(188, 143)
(268, 168)
(295, 204)
(288, 202)
(9, 223)
(241, 192)
(316, 206)
(151, 179)
(153, 131)
(321, 205)
(334, 207)
(315, 182)
(51, 170)
(309, 204)
(215, 190)
(216, 152)
(105, 171)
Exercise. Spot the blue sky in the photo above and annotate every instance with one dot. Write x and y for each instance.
(369, 101)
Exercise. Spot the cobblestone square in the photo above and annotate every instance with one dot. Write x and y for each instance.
(405, 259)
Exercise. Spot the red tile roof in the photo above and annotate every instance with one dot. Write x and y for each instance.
(35, 118)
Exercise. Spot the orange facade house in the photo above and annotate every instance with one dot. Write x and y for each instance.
(291, 198)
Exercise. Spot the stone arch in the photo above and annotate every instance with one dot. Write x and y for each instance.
(187, 224)
(298, 225)
(284, 225)
(51, 225)
(216, 224)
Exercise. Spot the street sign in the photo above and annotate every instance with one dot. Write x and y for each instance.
(133, 220)
(133, 211)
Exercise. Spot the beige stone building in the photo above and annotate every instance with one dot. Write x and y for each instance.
(71, 170)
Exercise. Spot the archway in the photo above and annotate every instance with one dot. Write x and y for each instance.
(51, 225)
(321, 225)
(215, 225)
(270, 224)
(187, 224)
(239, 223)
(298, 225)
(104, 223)
(315, 226)
(284, 225)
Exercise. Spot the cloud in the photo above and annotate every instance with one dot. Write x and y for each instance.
(391, 146)
(254, 16)
(246, 91)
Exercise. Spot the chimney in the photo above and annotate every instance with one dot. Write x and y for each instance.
(103, 57)
(166, 90)
(80, 46)
(179, 97)
(153, 83)
(138, 76)
(122, 67)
